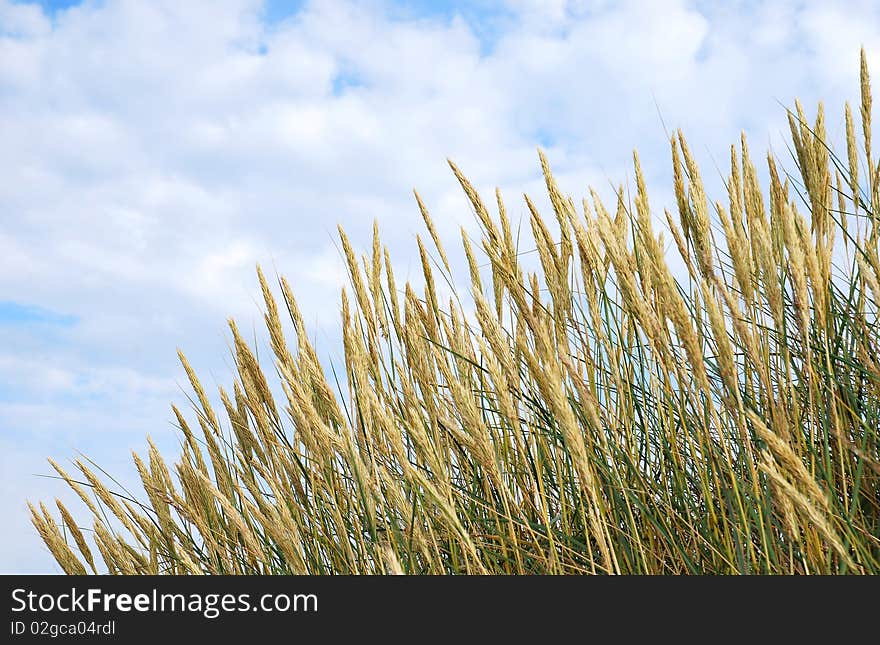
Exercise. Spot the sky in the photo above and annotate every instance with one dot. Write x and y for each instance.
(153, 152)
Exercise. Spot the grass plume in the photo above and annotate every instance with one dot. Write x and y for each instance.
(598, 415)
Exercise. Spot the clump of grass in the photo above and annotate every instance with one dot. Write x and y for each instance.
(597, 415)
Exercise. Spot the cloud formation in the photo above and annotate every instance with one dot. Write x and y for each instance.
(154, 152)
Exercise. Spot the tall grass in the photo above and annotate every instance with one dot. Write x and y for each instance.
(597, 415)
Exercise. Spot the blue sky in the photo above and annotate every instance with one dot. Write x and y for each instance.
(51, 6)
(154, 152)
(13, 313)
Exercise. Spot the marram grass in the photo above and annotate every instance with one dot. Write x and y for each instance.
(595, 416)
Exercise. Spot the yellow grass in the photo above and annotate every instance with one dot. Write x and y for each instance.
(596, 416)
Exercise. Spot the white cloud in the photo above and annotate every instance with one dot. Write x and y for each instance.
(22, 20)
(154, 152)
